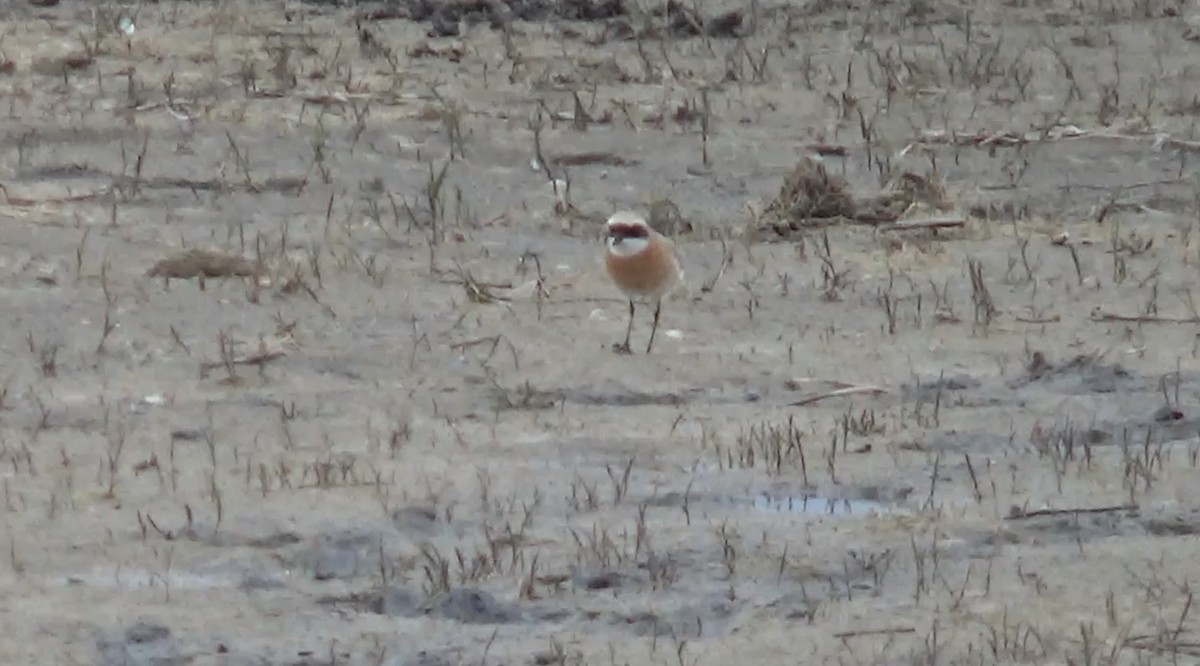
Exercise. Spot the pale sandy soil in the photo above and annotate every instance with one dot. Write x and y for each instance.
(430, 470)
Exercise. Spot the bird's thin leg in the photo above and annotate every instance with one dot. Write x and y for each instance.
(623, 347)
(654, 327)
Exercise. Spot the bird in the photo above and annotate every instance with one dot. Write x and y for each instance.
(641, 262)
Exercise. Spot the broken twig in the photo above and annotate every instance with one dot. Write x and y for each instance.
(1017, 513)
(837, 393)
(1102, 315)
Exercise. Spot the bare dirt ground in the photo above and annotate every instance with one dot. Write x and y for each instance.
(304, 361)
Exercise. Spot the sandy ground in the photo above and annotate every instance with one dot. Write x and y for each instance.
(400, 436)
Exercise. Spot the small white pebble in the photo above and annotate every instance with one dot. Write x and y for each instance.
(674, 334)
(597, 315)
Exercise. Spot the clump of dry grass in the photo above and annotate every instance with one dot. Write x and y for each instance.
(908, 194)
(809, 193)
(666, 218)
(811, 196)
(200, 263)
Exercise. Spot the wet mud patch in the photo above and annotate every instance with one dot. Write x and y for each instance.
(143, 644)
(417, 521)
(673, 18)
(425, 658)
(474, 606)
(260, 534)
(592, 159)
(59, 135)
(605, 580)
(973, 441)
(708, 617)
(703, 592)
(655, 571)
(147, 643)
(60, 172)
(467, 605)
(390, 600)
(614, 394)
(1080, 375)
(1064, 527)
(1041, 527)
(1161, 427)
(234, 574)
(799, 393)
(699, 610)
(356, 552)
(1128, 409)
(242, 556)
(475, 12)
(345, 556)
(801, 589)
(931, 389)
(1180, 525)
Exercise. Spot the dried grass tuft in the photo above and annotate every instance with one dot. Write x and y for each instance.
(809, 192)
(908, 194)
(810, 196)
(666, 219)
(200, 263)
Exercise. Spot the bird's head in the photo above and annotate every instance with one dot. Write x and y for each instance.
(627, 233)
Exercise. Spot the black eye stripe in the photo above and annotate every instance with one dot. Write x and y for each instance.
(628, 231)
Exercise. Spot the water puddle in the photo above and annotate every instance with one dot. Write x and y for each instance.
(814, 505)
